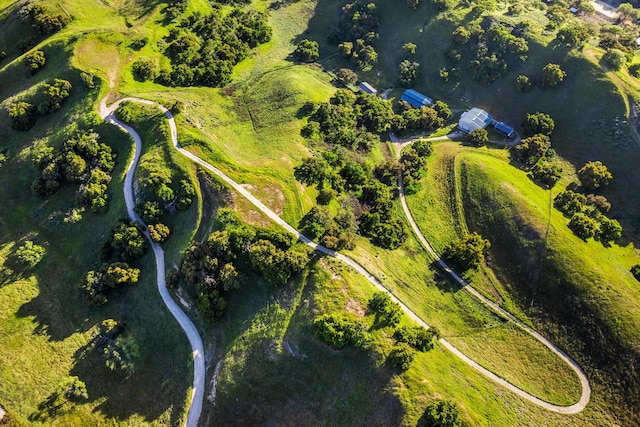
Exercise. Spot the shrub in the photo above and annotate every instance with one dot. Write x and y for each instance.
(615, 58)
(523, 84)
(338, 331)
(461, 35)
(417, 337)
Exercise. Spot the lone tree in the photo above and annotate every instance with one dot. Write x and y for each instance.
(615, 58)
(552, 75)
(594, 175)
(538, 123)
(478, 137)
(22, 115)
(467, 252)
(307, 51)
(408, 72)
(346, 76)
(441, 413)
(523, 83)
(409, 48)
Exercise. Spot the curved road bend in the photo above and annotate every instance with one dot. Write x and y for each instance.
(579, 406)
(197, 392)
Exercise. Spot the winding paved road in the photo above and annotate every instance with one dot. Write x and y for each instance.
(197, 392)
(108, 114)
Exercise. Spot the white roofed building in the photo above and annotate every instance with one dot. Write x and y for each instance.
(473, 119)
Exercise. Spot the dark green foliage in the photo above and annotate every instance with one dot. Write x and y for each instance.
(149, 211)
(22, 115)
(127, 240)
(43, 19)
(96, 283)
(30, 254)
(401, 356)
(569, 202)
(441, 413)
(583, 226)
(573, 34)
(461, 35)
(408, 71)
(416, 336)
(144, 69)
(338, 331)
(547, 173)
(356, 34)
(594, 175)
(467, 252)
(610, 229)
(387, 312)
(34, 61)
(531, 149)
(275, 264)
(538, 123)
(552, 75)
(635, 270)
(53, 95)
(316, 222)
(478, 137)
(306, 51)
(523, 84)
(443, 110)
(204, 48)
(346, 76)
(186, 193)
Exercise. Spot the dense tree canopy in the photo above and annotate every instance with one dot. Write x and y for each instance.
(594, 175)
(467, 252)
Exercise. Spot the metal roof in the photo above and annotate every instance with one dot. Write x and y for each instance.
(504, 128)
(416, 99)
(367, 88)
(473, 119)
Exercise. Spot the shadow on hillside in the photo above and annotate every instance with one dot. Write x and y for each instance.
(305, 382)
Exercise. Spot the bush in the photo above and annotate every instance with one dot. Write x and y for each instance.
(461, 35)
(417, 337)
(338, 331)
(467, 252)
(307, 51)
(34, 61)
(552, 75)
(401, 356)
(523, 84)
(615, 58)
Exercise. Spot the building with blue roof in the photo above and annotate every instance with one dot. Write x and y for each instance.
(505, 129)
(416, 99)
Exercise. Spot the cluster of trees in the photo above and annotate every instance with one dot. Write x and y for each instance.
(119, 352)
(82, 159)
(212, 266)
(126, 242)
(536, 155)
(335, 233)
(43, 19)
(339, 330)
(158, 183)
(493, 47)
(587, 213)
(413, 164)
(356, 34)
(467, 252)
(23, 115)
(204, 48)
(96, 283)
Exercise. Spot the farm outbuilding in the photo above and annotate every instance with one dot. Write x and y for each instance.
(416, 99)
(367, 88)
(505, 129)
(473, 119)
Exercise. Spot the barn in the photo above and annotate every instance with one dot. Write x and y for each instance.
(416, 99)
(473, 119)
